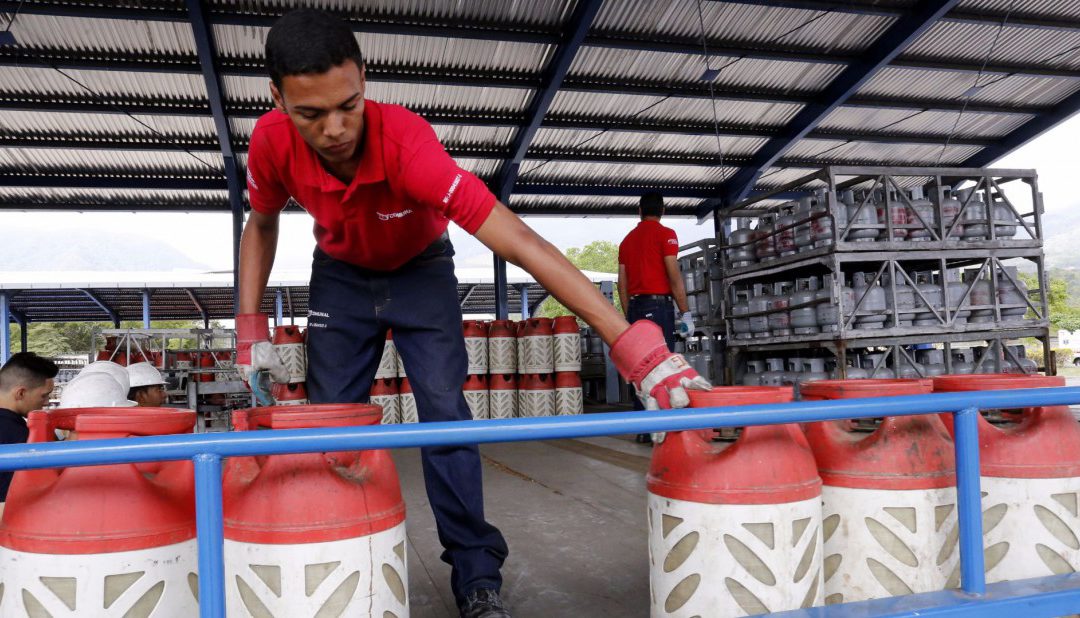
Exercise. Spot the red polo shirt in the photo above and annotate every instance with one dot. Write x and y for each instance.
(642, 253)
(406, 189)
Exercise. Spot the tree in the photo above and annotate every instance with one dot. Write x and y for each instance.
(1064, 314)
(52, 339)
(600, 256)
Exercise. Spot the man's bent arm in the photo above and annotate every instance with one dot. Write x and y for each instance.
(678, 288)
(257, 249)
(508, 236)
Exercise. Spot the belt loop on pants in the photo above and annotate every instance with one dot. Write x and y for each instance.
(650, 297)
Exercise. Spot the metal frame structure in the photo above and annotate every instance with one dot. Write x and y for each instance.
(1049, 596)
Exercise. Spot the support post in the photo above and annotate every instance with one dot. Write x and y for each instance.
(502, 305)
(5, 328)
(612, 394)
(208, 521)
(969, 501)
(523, 294)
(278, 308)
(24, 328)
(146, 308)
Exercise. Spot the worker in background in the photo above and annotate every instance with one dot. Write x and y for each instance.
(649, 277)
(147, 385)
(382, 191)
(26, 381)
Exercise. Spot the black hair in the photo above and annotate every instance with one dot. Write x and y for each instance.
(308, 41)
(652, 204)
(26, 369)
(135, 390)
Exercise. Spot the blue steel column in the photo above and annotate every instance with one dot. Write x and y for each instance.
(24, 326)
(969, 501)
(502, 304)
(5, 329)
(612, 393)
(278, 308)
(523, 293)
(208, 519)
(146, 308)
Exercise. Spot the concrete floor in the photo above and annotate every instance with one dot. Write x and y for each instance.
(573, 514)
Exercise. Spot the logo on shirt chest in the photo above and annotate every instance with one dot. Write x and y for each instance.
(387, 216)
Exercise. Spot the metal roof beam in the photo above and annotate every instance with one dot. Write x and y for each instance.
(888, 46)
(105, 179)
(113, 315)
(670, 191)
(198, 304)
(576, 28)
(1027, 132)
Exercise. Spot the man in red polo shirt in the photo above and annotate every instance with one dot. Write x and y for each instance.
(649, 275)
(382, 191)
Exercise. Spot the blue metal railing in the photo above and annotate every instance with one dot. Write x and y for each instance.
(1048, 596)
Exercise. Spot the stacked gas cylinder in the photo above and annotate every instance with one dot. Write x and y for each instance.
(289, 341)
(701, 272)
(849, 511)
(515, 369)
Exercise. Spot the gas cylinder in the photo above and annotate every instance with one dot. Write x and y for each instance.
(804, 238)
(950, 208)
(889, 497)
(982, 296)
(852, 370)
(476, 395)
(289, 343)
(774, 374)
(519, 335)
(502, 396)
(908, 370)
(740, 326)
(740, 250)
(1011, 297)
(780, 318)
(539, 346)
(875, 365)
(407, 402)
(1004, 219)
(388, 362)
(157, 358)
(107, 541)
(1026, 365)
(861, 216)
(813, 369)
(922, 217)
(897, 213)
(729, 536)
(785, 229)
(956, 290)
(804, 319)
(754, 369)
(828, 312)
(289, 394)
(932, 361)
(871, 301)
(537, 396)
(225, 362)
(765, 245)
(1030, 482)
(976, 226)
(568, 396)
(476, 346)
(759, 303)
(930, 291)
(791, 375)
(567, 344)
(312, 534)
(961, 362)
(903, 301)
(384, 393)
(183, 361)
(206, 361)
(821, 227)
(502, 348)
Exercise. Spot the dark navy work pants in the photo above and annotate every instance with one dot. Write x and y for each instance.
(658, 310)
(351, 309)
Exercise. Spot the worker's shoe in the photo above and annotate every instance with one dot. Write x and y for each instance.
(484, 603)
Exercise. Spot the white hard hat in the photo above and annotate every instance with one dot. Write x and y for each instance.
(144, 374)
(94, 390)
(110, 368)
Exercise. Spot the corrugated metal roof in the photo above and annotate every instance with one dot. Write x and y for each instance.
(594, 203)
(615, 174)
(50, 159)
(536, 13)
(952, 85)
(971, 124)
(101, 124)
(877, 153)
(729, 113)
(104, 35)
(568, 140)
(1054, 8)
(102, 196)
(1014, 45)
(74, 82)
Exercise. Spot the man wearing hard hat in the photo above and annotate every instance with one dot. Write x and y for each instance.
(147, 385)
(101, 384)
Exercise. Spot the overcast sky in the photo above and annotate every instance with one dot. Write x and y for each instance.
(206, 237)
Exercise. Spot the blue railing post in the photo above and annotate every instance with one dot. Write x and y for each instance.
(969, 501)
(208, 519)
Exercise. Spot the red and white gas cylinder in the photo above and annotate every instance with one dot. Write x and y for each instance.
(568, 396)
(502, 396)
(1030, 478)
(502, 348)
(289, 343)
(407, 402)
(889, 497)
(476, 345)
(314, 534)
(207, 360)
(108, 541)
(734, 529)
(289, 394)
(537, 395)
(384, 393)
(539, 341)
(519, 336)
(224, 360)
(476, 395)
(183, 361)
(388, 362)
(567, 344)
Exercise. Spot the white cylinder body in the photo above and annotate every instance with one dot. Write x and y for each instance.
(881, 543)
(537, 403)
(391, 408)
(388, 363)
(568, 352)
(502, 355)
(478, 404)
(569, 401)
(160, 582)
(502, 403)
(477, 348)
(364, 576)
(407, 405)
(1030, 527)
(294, 356)
(539, 354)
(734, 559)
(400, 364)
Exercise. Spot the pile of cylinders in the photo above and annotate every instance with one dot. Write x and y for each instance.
(391, 389)
(115, 540)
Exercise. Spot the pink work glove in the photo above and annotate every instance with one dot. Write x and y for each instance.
(256, 358)
(660, 377)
